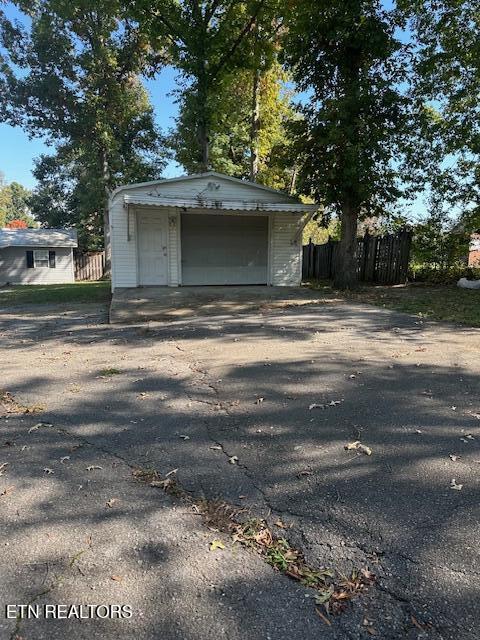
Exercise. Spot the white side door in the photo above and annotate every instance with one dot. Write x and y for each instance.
(152, 248)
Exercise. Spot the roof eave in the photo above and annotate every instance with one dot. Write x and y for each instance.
(219, 205)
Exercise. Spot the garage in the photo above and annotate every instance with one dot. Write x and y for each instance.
(224, 249)
(205, 229)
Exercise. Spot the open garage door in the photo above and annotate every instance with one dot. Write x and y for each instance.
(224, 249)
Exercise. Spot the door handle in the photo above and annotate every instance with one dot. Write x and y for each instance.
(164, 251)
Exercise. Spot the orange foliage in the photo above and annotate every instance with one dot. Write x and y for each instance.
(16, 224)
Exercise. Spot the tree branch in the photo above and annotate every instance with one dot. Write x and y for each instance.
(228, 54)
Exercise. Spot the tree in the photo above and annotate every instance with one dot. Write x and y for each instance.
(237, 146)
(348, 59)
(14, 204)
(446, 151)
(207, 39)
(68, 193)
(78, 86)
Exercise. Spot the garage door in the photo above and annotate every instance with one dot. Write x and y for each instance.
(224, 249)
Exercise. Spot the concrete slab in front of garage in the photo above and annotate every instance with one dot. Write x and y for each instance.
(145, 304)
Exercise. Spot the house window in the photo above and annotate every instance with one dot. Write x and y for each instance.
(40, 257)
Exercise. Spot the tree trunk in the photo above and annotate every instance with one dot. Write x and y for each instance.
(203, 88)
(346, 276)
(293, 181)
(203, 136)
(255, 125)
(346, 263)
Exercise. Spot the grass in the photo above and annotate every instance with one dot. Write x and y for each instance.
(106, 373)
(75, 292)
(433, 302)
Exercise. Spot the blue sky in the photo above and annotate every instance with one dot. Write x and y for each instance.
(17, 152)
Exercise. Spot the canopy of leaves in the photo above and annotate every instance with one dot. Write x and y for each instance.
(207, 41)
(348, 60)
(231, 127)
(446, 149)
(74, 80)
(14, 203)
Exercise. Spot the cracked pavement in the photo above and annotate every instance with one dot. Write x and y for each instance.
(198, 394)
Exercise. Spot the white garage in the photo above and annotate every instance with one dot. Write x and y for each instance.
(205, 229)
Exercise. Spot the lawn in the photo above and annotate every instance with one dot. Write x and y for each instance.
(74, 292)
(446, 302)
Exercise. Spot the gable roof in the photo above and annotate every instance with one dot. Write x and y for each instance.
(38, 238)
(196, 176)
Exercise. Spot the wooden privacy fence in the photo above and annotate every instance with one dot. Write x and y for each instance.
(380, 259)
(89, 266)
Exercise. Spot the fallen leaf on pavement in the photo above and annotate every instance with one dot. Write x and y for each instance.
(116, 578)
(332, 403)
(358, 446)
(7, 490)
(38, 425)
(233, 460)
(453, 458)
(454, 485)
(92, 467)
(216, 544)
(111, 502)
(2, 467)
(367, 574)
(305, 472)
(416, 623)
(48, 471)
(63, 458)
(184, 437)
(259, 400)
(322, 617)
(280, 524)
(324, 596)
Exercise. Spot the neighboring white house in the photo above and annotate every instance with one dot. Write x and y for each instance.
(205, 229)
(37, 256)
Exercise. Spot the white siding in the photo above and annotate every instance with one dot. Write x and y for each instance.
(124, 251)
(285, 255)
(198, 187)
(13, 267)
(286, 252)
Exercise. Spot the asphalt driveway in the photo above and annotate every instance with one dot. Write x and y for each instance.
(227, 401)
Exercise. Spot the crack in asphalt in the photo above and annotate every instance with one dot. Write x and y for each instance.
(402, 601)
(56, 582)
